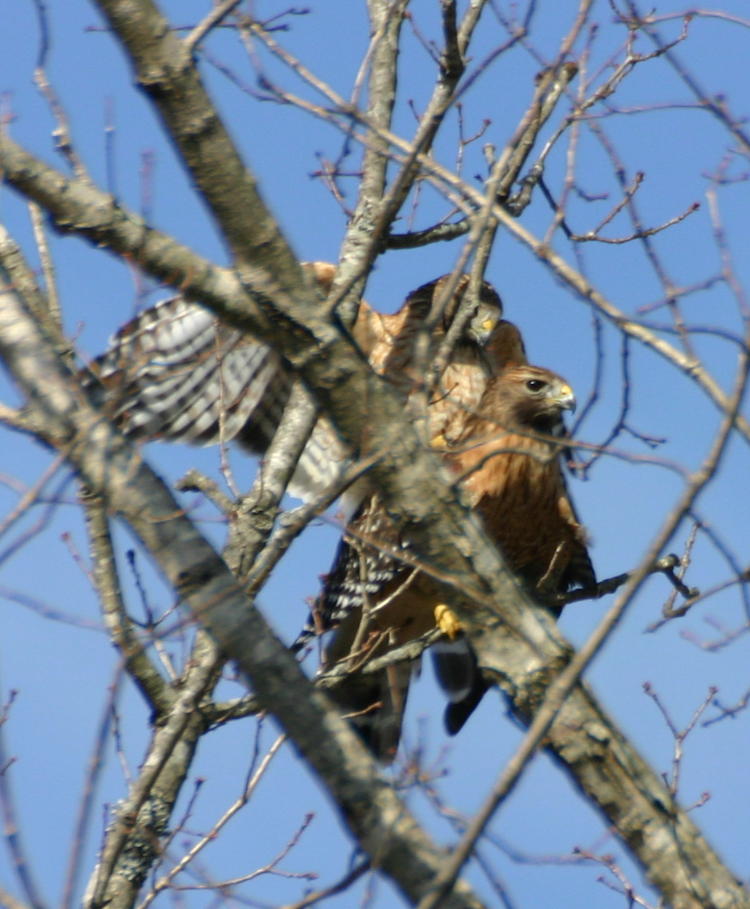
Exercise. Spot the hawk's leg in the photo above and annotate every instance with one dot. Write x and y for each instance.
(447, 621)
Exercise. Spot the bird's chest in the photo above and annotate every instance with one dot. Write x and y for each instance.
(459, 392)
(518, 498)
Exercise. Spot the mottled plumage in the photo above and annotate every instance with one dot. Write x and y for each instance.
(508, 462)
(176, 372)
(506, 458)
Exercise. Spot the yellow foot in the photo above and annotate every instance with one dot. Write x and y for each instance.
(447, 621)
(439, 442)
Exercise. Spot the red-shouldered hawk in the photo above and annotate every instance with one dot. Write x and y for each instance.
(176, 372)
(506, 459)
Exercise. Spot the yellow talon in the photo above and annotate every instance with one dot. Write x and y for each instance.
(439, 441)
(447, 621)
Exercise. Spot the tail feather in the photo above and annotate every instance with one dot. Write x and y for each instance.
(458, 673)
(374, 703)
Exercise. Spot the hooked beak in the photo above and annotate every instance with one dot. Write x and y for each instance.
(482, 326)
(566, 398)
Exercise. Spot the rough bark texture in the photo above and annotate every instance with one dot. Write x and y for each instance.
(667, 844)
(268, 294)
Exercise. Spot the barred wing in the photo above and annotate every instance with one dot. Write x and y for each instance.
(176, 372)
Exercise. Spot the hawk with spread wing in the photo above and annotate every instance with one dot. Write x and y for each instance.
(506, 459)
(176, 372)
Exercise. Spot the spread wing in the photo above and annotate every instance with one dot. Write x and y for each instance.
(177, 373)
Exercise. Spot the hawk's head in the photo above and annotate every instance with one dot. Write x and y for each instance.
(478, 318)
(528, 397)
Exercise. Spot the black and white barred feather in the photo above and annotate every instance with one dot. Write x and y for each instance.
(365, 564)
(176, 372)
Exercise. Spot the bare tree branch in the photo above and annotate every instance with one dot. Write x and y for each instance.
(265, 292)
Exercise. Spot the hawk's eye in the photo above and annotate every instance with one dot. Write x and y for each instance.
(535, 384)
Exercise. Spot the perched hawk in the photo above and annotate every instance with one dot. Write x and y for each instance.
(176, 372)
(506, 459)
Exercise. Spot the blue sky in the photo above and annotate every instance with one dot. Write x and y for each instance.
(61, 671)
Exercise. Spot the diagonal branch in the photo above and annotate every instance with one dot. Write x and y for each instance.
(523, 652)
(375, 815)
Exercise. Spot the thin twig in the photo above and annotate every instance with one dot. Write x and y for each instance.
(12, 832)
(219, 12)
(339, 887)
